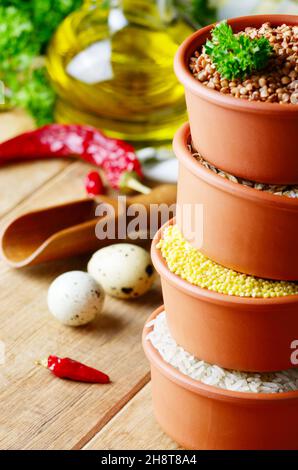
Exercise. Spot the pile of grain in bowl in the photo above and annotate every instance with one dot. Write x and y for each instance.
(191, 265)
(277, 83)
(176, 356)
(277, 190)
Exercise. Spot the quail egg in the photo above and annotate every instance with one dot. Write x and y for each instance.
(123, 270)
(75, 298)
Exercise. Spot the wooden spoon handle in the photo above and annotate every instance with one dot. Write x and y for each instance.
(163, 194)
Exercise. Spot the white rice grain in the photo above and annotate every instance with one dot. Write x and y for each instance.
(270, 382)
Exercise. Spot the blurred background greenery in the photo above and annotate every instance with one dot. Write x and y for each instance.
(27, 26)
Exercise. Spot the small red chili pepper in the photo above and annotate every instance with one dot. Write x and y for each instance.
(93, 184)
(66, 368)
(117, 158)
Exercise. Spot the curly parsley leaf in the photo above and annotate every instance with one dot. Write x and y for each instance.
(237, 56)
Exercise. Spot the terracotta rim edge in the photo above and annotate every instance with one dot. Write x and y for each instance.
(186, 78)
(184, 156)
(208, 295)
(199, 387)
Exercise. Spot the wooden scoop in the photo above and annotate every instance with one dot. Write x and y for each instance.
(69, 229)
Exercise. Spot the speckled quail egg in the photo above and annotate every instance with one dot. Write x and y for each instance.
(123, 270)
(75, 298)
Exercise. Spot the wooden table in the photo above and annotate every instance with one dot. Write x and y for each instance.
(37, 410)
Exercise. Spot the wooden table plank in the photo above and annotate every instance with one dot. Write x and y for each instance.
(15, 122)
(37, 410)
(66, 186)
(18, 181)
(134, 427)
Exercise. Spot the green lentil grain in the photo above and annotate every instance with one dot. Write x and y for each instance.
(192, 266)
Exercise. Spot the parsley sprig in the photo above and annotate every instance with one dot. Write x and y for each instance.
(237, 56)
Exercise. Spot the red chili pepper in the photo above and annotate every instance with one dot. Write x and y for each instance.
(66, 368)
(93, 184)
(117, 158)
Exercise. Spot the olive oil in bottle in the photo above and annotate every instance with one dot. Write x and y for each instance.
(111, 63)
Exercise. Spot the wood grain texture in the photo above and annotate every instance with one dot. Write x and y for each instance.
(18, 181)
(37, 410)
(65, 186)
(15, 122)
(134, 427)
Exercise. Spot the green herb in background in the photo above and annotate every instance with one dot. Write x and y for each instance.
(202, 12)
(35, 95)
(18, 46)
(237, 56)
(25, 29)
(199, 12)
(45, 15)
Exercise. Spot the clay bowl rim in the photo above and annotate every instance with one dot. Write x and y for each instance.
(180, 147)
(185, 76)
(206, 294)
(200, 388)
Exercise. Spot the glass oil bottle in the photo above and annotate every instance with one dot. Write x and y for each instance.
(111, 63)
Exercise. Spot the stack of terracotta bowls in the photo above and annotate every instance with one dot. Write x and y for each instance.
(245, 229)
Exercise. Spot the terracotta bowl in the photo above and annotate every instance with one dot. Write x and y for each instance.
(234, 332)
(245, 229)
(199, 416)
(253, 140)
